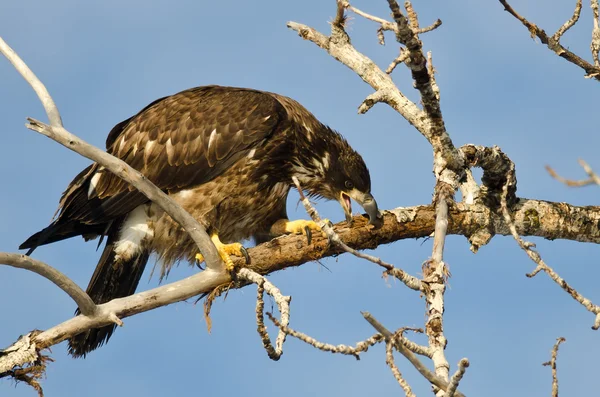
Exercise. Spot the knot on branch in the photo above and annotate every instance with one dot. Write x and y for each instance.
(23, 362)
(496, 167)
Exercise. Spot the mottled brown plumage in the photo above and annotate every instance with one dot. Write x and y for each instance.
(227, 155)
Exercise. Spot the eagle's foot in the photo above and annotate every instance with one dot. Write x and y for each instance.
(305, 227)
(225, 250)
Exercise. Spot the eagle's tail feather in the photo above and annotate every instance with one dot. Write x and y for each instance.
(59, 231)
(113, 278)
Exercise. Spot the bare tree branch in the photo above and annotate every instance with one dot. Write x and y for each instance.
(283, 304)
(435, 273)
(36, 84)
(552, 364)
(553, 42)
(463, 364)
(360, 347)
(542, 266)
(56, 132)
(389, 360)
(408, 280)
(340, 48)
(423, 370)
(595, 43)
(85, 304)
(569, 24)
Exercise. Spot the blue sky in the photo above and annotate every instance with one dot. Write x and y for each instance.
(103, 61)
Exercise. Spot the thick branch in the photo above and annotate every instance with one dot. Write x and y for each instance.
(339, 47)
(407, 279)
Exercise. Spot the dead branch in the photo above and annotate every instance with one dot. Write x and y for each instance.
(85, 304)
(593, 179)
(542, 266)
(423, 370)
(339, 47)
(58, 133)
(553, 42)
(389, 360)
(283, 304)
(408, 280)
(463, 364)
(435, 274)
(360, 347)
(552, 364)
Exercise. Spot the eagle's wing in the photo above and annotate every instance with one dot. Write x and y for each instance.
(177, 142)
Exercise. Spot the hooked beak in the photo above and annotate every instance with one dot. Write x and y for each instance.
(366, 201)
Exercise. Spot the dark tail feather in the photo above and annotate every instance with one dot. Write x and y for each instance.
(59, 231)
(112, 279)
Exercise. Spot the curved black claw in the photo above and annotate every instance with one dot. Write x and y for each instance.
(245, 253)
(308, 234)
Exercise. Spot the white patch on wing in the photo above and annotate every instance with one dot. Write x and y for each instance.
(147, 150)
(251, 153)
(211, 139)
(134, 231)
(308, 132)
(267, 118)
(122, 144)
(170, 150)
(94, 183)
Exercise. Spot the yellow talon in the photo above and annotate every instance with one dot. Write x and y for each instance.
(299, 226)
(305, 227)
(224, 251)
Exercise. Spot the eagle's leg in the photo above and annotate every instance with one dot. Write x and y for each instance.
(225, 250)
(300, 226)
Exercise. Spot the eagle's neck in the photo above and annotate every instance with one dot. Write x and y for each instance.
(315, 151)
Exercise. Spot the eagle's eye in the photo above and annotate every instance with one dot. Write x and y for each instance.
(349, 185)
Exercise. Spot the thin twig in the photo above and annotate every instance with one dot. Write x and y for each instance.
(423, 370)
(592, 71)
(85, 304)
(463, 364)
(433, 26)
(541, 265)
(389, 360)
(552, 364)
(407, 279)
(569, 182)
(399, 59)
(39, 88)
(385, 25)
(588, 170)
(569, 24)
(283, 305)
(360, 347)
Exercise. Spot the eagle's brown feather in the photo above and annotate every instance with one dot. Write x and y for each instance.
(226, 155)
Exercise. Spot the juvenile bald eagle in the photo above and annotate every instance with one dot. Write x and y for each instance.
(226, 155)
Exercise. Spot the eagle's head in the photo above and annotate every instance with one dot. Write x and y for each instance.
(335, 171)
